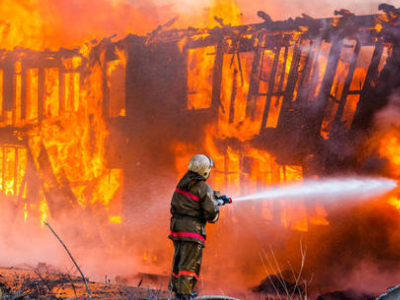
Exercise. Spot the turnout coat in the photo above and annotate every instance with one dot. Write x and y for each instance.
(193, 204)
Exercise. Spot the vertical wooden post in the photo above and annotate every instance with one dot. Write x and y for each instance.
(15, 190)
(370, 80)
(61, 88)
(2, 113)
(271, 85)
(305, 73)
(3, 169)
(327, 81)
(8, 84)
(105, 92)
(283, 71)
(217, 79)
(233, 98)
(23, 90)
(41, 88)
(291, 83)
(254, 84)
(310, 89)
(346, 88)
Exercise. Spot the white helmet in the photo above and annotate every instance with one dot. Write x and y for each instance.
(201, 164)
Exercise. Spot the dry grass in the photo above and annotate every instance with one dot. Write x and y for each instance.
(272, 266)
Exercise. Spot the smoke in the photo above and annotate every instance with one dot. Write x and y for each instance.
(387, 138)
(99, 248)
(389, 117)
(40, 24)
(21, 243)
(361, 242)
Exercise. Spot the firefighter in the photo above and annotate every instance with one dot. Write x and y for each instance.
(193, 204)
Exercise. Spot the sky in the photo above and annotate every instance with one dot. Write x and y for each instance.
(40, 24)
(278, 10)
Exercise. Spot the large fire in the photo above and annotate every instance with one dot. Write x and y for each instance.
(389, 148)
(92, 127)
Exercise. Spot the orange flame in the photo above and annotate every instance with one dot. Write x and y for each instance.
(389, 148)
(40, 24)
(244, 168)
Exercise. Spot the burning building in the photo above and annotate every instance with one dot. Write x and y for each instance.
(104, 130)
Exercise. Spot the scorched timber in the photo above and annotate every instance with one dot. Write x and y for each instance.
(347, 25)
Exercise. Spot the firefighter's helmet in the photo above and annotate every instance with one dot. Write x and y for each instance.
(201, 164)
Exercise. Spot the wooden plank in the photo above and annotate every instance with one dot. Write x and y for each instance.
(15, 191)
(61, 89)
(309, 93)
(370, 81)
(217, 79)
(41, 89)
(8, 103)
(233, 98)
(309, 64)
(283, 71)
(105, 91)
(346, 88)
(271, 85)
(327, 81)
(254, 84)
(23, 91)
(291, 83)
(3, 169)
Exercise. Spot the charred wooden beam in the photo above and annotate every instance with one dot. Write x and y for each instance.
(309, 65)
(363, 111)
(23, 91)
(291, 84)
(3, 168)
(8, 84)
(61, 90)
(361, 26)
(105, 92)
(283, 70)
(108, 56)
(346, 87)
(271, 86)
(233, 97)
(310, 89)
(217, 79)
(254, 83)
(58, 193)
(41, 91)
(327, 81)
(306, 70)
(15, 191)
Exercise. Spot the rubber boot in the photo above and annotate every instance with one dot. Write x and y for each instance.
(186, 297)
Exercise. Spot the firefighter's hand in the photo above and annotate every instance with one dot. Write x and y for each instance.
(226, 199)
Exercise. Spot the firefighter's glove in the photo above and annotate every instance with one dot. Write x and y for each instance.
(226, 199)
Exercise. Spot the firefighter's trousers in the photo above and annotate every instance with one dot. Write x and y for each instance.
(185, 267)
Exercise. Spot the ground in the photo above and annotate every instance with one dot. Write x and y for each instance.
(38, 283)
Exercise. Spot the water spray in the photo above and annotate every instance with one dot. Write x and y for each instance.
(325, 189)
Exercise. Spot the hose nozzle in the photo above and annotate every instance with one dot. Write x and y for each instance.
(224, 200)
